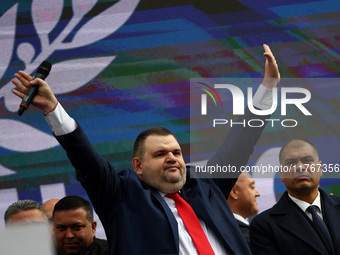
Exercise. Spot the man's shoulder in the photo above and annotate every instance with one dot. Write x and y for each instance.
(262, 217)
(100, 241)
(330, 197)
(99, 247)
(268, 215)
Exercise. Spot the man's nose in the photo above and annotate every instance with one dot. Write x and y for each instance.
(69, 234)
(171, 157)
(300, 167)
(257, 193)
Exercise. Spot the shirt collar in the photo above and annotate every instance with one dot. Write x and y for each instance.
(304, 205)
(240, 218)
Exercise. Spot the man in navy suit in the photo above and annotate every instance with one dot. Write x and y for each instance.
(289, 227)
(137, 216)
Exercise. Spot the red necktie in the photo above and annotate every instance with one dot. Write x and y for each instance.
(192, 224)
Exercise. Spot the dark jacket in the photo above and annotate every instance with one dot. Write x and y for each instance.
(286, 229)
(98, 247)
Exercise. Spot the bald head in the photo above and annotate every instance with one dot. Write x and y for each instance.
(297, 144)
(48, 207)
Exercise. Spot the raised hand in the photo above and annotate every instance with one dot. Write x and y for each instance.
(44, 100)
(271, 73)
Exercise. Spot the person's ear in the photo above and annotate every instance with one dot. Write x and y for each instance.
(282, 173)
(234, 193)
(94, 227)
(137, 165)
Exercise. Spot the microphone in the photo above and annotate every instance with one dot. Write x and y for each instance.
(42, 72)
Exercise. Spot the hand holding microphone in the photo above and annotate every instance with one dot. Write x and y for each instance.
(42, 72)
(43, 97)
(35, 91)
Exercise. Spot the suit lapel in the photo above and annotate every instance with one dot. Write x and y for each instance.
(291, 218)
(169, 214)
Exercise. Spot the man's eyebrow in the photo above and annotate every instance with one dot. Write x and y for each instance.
(165, 150)
(77, 222)
(160, 150)
(295, 158)
(308, 156)
(289, 159)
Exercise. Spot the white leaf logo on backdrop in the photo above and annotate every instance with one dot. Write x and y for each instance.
(46, 16)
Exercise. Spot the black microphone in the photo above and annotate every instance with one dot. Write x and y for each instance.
(42, 72)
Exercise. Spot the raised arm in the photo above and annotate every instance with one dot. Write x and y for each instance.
(271, 70)
(241, 140)
(94, 172)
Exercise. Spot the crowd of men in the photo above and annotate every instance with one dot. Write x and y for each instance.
(73, 228)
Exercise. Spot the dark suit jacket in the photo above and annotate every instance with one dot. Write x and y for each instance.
(245, 230)
(136, 218)
(285, 228)
(97, 247)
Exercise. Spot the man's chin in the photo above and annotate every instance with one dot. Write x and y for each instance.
(305, 187)
(173, 185)
(174, 177)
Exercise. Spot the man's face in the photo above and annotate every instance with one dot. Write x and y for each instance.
(162, 165)
(301, 171)
(73, 231)
(247, 194)
(28, 216)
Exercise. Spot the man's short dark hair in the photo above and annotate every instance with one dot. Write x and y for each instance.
(22, 205)
(74, 203)
(139, 146)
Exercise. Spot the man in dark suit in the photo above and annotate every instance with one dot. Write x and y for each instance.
(290, 227)
(242, 202)
(133, 206)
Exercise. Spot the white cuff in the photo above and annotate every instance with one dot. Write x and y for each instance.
(60, 122)
(263, 98)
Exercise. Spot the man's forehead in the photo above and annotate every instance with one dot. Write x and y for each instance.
(27, 216)
(246, 180)
(79, 213)
(160, 141)
(298, 150)
(70, 217)
(28, 213)
(245, 175)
